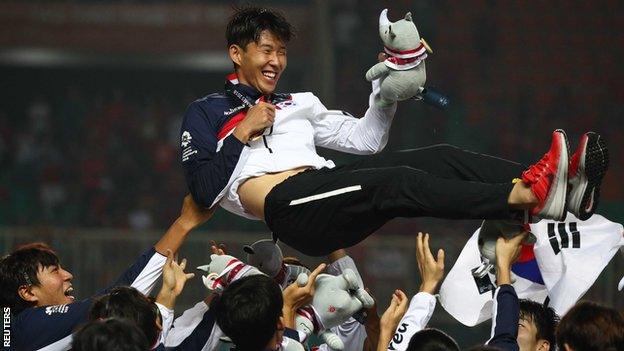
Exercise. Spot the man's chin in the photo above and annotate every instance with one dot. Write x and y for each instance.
(267, 88)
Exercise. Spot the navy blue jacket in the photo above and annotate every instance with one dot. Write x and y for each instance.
(209, 151)
(506, 316)
(38, 327)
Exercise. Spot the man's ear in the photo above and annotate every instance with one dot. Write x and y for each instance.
(26, 294)
(280, 323)
(236, 54)
(543, 345)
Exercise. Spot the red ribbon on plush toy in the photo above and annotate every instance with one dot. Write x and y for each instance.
(405, 59)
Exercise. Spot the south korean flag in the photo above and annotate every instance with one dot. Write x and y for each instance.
(563, 264)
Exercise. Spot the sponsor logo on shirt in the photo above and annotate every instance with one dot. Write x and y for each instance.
(56, 309)
(233, 110)
(186, 138)
(187, 150)
(398, 336)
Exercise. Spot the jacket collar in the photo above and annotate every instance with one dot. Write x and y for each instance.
(232, 83)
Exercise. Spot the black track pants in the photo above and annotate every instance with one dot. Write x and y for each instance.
(319, 211)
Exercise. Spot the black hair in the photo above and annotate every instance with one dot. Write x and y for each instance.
(591, 326)
(20, 268)
(110, 334)
(544, 318)
(248, 311)
(127, 302)
(247, 23)
(431, 339)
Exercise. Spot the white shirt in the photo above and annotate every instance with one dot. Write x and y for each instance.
(300, 125)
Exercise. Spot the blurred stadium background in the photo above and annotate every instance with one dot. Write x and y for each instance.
(92, 94)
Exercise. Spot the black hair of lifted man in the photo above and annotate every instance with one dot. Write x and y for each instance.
(248, 311)
(247, 23)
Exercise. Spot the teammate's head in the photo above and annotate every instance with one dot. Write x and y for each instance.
(256, 39)
(32, 276)
(591, 326)
(249, 312)
(536, 328)
(432, 339)
(110, 334)
(129, 303)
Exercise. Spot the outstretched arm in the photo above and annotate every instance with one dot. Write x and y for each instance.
(191, 216)
(146, 270)
(506, 309)
(337, 130)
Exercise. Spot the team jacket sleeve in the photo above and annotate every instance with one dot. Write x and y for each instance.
(415, 319)
(209, 164)
(505, 318)
(143, 274)
(195, 329)
(337, 130)
(49, 327)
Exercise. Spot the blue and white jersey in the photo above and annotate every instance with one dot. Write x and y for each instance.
(50, 327)
(196, 329)
(216, 162)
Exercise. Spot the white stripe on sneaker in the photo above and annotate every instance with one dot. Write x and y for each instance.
(325, 195)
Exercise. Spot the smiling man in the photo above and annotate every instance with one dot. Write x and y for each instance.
(253, 151)
(39, 292)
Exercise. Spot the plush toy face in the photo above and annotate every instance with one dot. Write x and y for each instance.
(400, 35)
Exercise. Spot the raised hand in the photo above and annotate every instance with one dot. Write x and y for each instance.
(391, 317)
(431, 269)
(296, 296)
(174, 279)
(507, 251)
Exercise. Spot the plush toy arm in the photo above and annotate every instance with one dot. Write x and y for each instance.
(332, 340)
(377, 71)
(358, 291)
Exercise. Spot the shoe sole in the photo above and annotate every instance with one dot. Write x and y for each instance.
(555, 206)
(593, 165)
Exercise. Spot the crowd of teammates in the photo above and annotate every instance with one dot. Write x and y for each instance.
(257, 312)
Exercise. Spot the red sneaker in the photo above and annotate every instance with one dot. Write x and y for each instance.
(548, 179)
(588, 166)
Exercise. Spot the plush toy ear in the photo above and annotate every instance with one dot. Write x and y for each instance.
(408, 16)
